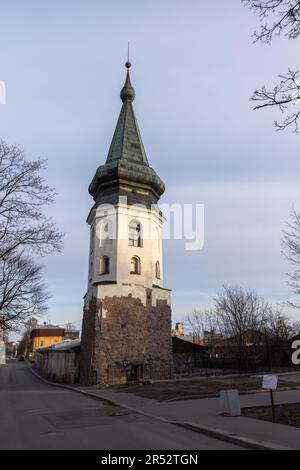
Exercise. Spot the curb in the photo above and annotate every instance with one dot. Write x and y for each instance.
(73, 389)
(231, 438)
(215, 433)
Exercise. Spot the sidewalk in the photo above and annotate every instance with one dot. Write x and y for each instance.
(203, 415)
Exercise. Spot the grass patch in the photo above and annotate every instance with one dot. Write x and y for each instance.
(200, 387)
(288, 414)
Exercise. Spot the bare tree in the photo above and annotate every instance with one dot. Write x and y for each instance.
(23, 196)
(283, 16)
(69, 327)
(241, 314)
(296, 328)
(22, 293)
(278, 17)
(25, 343)
(278, 330)
(291, 251)
(25, 231)
(278, 326)
(239, 310)
(201, 323)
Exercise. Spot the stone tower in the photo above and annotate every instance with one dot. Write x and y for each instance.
(127, 311)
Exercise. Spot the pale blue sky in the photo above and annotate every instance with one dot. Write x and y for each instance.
(194, 68)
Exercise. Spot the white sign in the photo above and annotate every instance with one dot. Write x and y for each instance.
(270, 382)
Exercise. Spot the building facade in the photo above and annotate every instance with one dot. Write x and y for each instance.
(127, 310)
(45, 335)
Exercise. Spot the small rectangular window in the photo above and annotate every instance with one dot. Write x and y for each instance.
(104, 265)
(92, 240)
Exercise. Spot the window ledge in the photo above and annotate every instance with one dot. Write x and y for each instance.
(103, 283)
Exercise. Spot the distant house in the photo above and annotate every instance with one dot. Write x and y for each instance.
(187, 354)
(211, 338)
(12, 348)
(178, 330)
(249, 338)
(72, 334)
(45, 335)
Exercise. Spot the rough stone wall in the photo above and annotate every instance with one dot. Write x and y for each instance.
(131, 331)
(88, 338)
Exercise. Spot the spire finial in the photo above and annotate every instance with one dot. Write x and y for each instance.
(128, 63)
(127, 92)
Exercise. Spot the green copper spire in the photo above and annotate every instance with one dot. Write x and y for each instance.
(126, 171)
(127, 142)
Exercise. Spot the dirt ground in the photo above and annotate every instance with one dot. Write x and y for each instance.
(198, 387)
(284, 414)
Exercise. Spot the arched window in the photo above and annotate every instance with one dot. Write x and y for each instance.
(135, 234)
(104, 265)
(135, 265)
(157, 270)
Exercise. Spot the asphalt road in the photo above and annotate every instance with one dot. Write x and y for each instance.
(34, 415)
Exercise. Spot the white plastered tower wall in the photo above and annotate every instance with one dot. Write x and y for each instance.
(114, 244)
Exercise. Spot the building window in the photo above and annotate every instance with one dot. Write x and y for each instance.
(157, 270)
(135, 265)
(104, 265)
(135, 234)
(92, 241)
